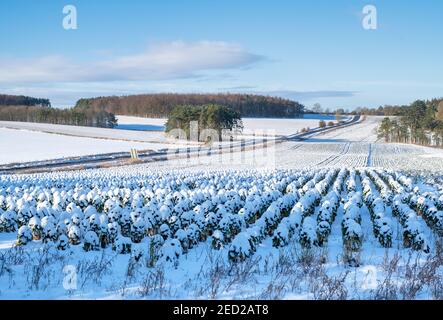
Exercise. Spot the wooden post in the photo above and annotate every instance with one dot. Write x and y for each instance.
(134, 154)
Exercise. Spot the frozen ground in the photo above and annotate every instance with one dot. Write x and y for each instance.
(381, 187)
(138, 123)
(88, 132)
(365, 131)
(25, 146)
(354, 146)
(289, 269)
(251, 125)
(25, 141)
(277, 126)
(39, 141)
(318, 155)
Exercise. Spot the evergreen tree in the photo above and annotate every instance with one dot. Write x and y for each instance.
(209, 116)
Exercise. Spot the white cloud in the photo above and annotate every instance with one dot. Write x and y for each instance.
(162, 61)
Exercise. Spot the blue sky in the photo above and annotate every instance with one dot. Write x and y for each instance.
(310, 51)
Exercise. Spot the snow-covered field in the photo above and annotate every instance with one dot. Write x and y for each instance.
(138, 123)
(39, 141)
(251, 125)
(321, 153)
(88, 132)
(284, 126)
(25, 146)
(25, 142)
(339, 216)
(365, 131)
(136, 233)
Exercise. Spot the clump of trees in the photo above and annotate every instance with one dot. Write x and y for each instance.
(40, 110)
(209, 116)
(160, 105)
(419, 123)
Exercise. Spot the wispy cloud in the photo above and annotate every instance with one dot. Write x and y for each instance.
(311, 95)
(238, 88)
(294, 94)
(162, 61)
(393, 83)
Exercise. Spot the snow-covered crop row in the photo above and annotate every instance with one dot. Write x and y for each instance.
(164, 215)
(413, 225)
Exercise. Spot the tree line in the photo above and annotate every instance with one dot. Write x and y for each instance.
(386, 110)
(41, 111)
(161, 104)
(419, 123)
(10, 100)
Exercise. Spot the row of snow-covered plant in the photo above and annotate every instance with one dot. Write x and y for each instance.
(168, 213)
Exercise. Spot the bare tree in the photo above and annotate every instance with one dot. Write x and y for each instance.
(317, 108)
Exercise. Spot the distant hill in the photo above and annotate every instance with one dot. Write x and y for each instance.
(160, 105)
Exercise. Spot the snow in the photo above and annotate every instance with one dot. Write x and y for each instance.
(319, 183)
(91, 238)
(34, 146)
(365, 131)
(87, 132)
(271, 126)
(140, 124)
(194, 272)
(276, 126)
(344, 147)
(7, 240)
(27, 146)
(351, 147)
